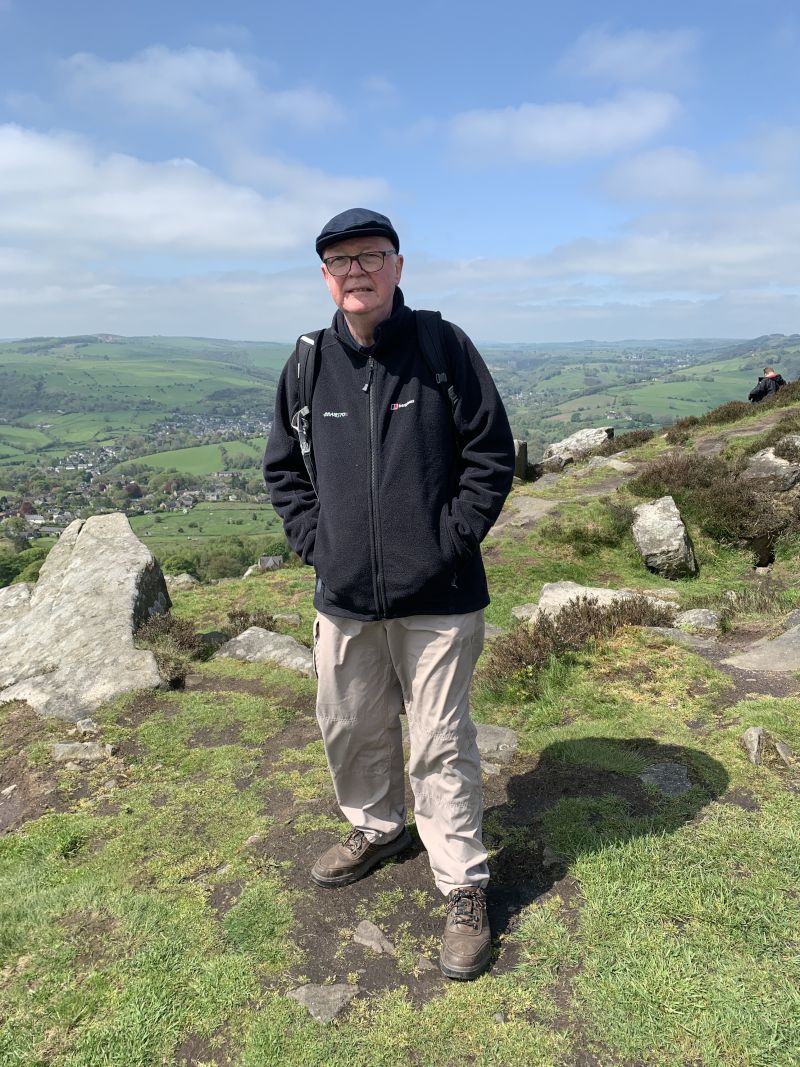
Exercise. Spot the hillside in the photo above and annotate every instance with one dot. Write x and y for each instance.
(156, 908)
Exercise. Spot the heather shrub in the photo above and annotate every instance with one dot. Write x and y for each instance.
(624, 441)
(174, 643)
(521, 654)
(789, 394)
(241, 620)
(789, 450)
(680, 433)
(730, 412)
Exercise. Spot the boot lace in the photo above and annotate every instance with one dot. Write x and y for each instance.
(354, 841)
(465, 907)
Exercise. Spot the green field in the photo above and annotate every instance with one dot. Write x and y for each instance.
(168, 532)
(205, 459)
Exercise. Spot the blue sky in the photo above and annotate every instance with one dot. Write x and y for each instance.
(580, 171)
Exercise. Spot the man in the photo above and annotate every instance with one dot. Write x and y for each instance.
(408, 485)
(766, 387)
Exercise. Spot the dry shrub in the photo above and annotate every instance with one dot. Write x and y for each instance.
(174, 643)
(676, 471)
(523, 652)
(624, 441)
(730, 412)
(789, 394)
(680, 432)
(241, 620)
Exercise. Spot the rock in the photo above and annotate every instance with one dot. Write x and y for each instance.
(14, 602)
(270, 563)
(180, 583)
(520, 459)
(88, 751)
(771, 472)
(289, 618)
(671, 779)
(753, 741)
(497, 741)
(662, 540)
(785, 754)
(533, 472)
(619, 465)
(556, 595)
(257, 645)
(72, 649)
(699, 620)
(492, 632)
(254, 569)
(523, 512)
(577, 445)
(680, 637)
(371, 936)
(424, 964)
(779, 654)
(255, 842)
(324, 1002)
(555, 464)
(87, 727)
(214, 639)
(9, 789)
(491, 770)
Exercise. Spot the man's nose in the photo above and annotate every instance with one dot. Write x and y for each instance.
(354, 263)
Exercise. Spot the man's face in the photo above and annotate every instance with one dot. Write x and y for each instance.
(360, 293)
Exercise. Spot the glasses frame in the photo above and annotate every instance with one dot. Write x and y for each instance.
(369, 252)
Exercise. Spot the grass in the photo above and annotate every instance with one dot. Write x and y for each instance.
(158, 913)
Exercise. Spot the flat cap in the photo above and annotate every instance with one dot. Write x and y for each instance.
(356, 222)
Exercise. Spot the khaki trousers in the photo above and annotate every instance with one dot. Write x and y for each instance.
(367, 672)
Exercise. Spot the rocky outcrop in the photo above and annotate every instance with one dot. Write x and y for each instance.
(662, 539)
(14, 602)
(769, 471)
(180, 583)
(258, 645)
(71, 648)
(575, 447)
(520, 459)
(556, 595)
(699, 620)
(780, 653)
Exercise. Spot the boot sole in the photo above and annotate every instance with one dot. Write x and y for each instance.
(391, 848)
(466, 974)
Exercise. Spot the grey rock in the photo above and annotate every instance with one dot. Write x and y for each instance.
(785, 754)
(520, 459)
(578, 445)
(371, 936)
(270, 563)
(424, 964)
(254, 569)
(72, 649)
(86, 727)
(680, 637)
(497, 741)
(753, 740)
(556, 595)
(700, 620)
(9, 789)
(493, 632)
(80, 750)
(771, 472)
(214, 639)
(257, 645)
(324, 1002)
(671, 779)
(180, 583)
(555, 464)
(14, 602)
(288, 618)
(779, 654)
(522, 512)
(662, 539)
(491, 770)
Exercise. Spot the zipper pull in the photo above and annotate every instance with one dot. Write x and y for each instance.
(371, 365)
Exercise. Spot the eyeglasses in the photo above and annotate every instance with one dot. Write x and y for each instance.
(371, 262)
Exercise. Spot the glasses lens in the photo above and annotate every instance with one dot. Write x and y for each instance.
(371, 261)
(338, 265)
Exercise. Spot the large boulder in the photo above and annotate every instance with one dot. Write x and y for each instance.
(575, 447)
(556, 595)
(71, 648)
(520, 459)
(257, 645)
(14, 602)
(180, 583)
(662, 539)
(769, 471)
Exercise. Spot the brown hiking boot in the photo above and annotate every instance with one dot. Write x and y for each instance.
(352, 858)
(467, 940)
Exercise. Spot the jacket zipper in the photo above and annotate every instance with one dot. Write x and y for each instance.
(380, 597)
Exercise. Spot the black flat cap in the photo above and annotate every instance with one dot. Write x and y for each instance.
(356, 222)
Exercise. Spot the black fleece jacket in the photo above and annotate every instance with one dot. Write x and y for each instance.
(407, 490)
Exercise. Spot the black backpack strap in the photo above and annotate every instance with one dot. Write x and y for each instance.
(430, 333)
(308, 347)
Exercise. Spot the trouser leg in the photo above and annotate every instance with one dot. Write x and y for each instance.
(359, 701)
(435, 656)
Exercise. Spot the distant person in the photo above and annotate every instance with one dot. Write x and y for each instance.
(767, 386)
(406, 481)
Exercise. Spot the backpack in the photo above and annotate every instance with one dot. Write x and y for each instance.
(430, 334)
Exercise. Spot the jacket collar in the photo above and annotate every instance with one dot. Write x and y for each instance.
(388, 330)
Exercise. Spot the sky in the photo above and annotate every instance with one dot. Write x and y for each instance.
(556, 172)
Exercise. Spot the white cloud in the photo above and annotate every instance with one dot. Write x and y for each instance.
(195, 84)
(562, 132)
(680, 174)
(639, 57)
(57, 189)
